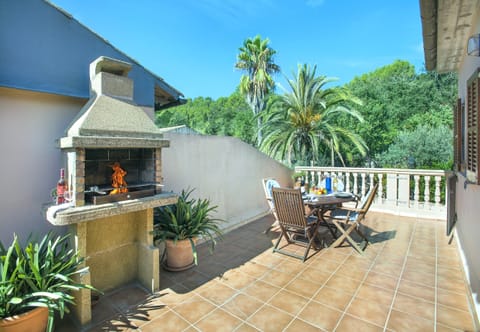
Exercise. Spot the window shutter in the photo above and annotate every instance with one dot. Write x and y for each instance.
(457, 136)
(473, 94)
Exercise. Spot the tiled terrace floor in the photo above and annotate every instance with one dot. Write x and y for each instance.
(409, 279)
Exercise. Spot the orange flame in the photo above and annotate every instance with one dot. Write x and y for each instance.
(118, 179)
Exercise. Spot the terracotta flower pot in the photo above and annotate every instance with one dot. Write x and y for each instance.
(34, 320)
(179, 255)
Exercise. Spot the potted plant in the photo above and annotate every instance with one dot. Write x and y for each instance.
(180, 225)
(36, 281)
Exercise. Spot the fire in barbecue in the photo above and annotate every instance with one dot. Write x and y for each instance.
(118, 179)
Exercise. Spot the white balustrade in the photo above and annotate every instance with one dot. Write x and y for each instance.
(400, 191)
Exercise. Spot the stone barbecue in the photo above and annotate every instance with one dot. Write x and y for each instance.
(111, 139)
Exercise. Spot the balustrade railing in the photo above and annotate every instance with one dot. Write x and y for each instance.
(411, 192)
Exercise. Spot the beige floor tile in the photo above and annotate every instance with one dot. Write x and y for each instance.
(174, 296)
(167, 322)
(245, 327)
(454, 318)
(217, 293)
(268, 259)
(375, 294)
(319, 277)
(420, 266)
(343, 283)
(193, 309)
(269, 318)
(385, 267)
(237, 279)
(417, 290)
(352, 271)
(231, 287)
(443, 328)
(299, 325)
(449, 261)
(320, 315)
(303, 287)
(334, 255)
(261, 290)
(452, 285)
(242, 305)
(381, 280)
(278, 278)
(288, 302)
(254, 269)
(358, 261)
(350, 323)
(414, 306)
(451, 299)
(370, 311)
(217, 321)
(400, 321)
(449, 272)
(291, 265)
(325, 265)
(332, 297)
(426, 279)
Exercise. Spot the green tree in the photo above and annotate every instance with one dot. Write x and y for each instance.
(300, 123)
(229, 116)
(425, 147)
(397, 99)
(256, 60)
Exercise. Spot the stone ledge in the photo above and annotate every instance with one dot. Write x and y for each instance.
(109, 142)
(74, 215)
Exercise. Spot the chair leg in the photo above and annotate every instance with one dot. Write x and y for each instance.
(345, 236)
(274, 225)
(310, 238)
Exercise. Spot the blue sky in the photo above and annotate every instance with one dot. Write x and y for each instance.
(193, 44)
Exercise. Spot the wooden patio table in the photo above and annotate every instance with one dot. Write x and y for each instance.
(320, 204)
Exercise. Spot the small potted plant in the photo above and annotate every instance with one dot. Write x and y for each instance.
(36, 281)
(180, 225)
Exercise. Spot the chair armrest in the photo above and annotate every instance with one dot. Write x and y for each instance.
(351, 209)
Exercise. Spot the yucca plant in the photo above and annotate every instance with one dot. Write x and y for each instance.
(39, 275)
(188, 219)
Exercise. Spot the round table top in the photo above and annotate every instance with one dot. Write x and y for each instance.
(319, 200)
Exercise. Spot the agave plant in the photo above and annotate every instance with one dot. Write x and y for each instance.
(188, 219)
(41, 274)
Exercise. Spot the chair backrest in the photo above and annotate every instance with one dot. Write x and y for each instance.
(268, 184)
(368, 199)
(289, 207)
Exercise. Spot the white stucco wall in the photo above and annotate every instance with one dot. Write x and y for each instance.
(468, 195)
(30, 123)
(223, 169)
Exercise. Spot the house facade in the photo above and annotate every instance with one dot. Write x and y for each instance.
(451, 39)
(44, 83)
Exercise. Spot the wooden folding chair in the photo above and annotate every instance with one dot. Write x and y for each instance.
(296, 227)
(352, 218)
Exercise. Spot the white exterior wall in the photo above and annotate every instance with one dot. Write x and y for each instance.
(468, 195)
(30, 123)
(223, 169)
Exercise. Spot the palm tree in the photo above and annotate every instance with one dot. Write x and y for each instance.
(301, 122)
(256, 59)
